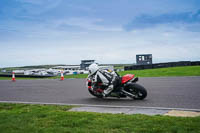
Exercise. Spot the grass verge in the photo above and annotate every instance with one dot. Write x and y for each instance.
(160, 72)
(166, 72)
(22, 118)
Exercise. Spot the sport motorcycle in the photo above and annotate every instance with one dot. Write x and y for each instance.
(127, 86)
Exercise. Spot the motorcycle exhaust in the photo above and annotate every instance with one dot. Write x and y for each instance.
(135, 80)
(128, 94)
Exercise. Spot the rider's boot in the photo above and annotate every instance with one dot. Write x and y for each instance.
(107, 91)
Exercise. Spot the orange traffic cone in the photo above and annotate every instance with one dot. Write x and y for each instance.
(62, 77)
(13, 76)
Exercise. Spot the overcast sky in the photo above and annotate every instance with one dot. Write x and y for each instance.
(36, 32)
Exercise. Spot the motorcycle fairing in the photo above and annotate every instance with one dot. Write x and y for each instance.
(127, 78)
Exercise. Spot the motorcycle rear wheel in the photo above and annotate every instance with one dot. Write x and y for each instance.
(139, 91)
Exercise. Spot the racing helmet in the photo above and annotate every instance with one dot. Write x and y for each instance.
(93, 68)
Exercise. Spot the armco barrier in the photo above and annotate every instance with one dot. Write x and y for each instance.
(162, 65)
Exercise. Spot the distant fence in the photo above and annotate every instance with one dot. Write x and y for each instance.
(162, 65)
(25, 76)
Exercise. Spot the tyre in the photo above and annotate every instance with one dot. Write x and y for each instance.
(92, 93)
(137, 90)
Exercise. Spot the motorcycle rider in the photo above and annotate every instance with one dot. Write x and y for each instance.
(103, 76)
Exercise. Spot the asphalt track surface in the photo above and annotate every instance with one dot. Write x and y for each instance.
(164, 92)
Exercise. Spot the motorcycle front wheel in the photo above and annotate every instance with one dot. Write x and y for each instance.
(92, 93)
(139, 91)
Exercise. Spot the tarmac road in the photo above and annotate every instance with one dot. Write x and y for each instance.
(166, 92)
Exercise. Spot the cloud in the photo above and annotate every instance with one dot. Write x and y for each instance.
(86, 24)
(174, 45)
(37, 2)
(187, 20)
(38, 6)
(66, 31)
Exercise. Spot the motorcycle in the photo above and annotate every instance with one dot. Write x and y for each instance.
(127, 87)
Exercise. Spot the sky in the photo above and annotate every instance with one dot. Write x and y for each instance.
(38, 32)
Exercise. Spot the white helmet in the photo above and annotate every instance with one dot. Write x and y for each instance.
(93, 68)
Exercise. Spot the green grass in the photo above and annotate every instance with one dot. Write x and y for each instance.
(166, 72)
(23, 118)
(160, 72)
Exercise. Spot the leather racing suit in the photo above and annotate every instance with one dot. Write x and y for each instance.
(107, 78)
